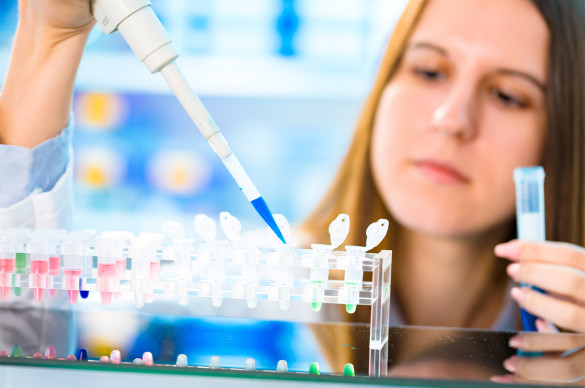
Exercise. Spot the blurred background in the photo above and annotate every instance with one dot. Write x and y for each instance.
(284, 80)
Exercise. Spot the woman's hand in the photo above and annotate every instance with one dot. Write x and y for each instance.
(37, 94)
(62, 18)
(545, 358)
(559, 269)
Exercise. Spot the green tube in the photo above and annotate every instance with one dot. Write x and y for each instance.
(314, 368)
(348, 370)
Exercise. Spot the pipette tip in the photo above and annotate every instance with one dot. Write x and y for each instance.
(262, 209)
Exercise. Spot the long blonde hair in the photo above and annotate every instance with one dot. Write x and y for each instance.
(353, 190)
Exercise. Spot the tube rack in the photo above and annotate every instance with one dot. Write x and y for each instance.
(116, 263)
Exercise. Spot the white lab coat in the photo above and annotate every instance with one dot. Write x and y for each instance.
(30, 324)
(43, 210)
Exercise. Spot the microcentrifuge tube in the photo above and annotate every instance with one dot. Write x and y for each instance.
(37, 356)
(282, 366)
(115, 357)
(71, 357)
(72, 250)
(250, 364)
(105, 359)
(50, 353)
(137, 361)
(147, 359)
(314, 368)
(39, 264)
(348, 370)
(16, 351)
(182, 360)
(214, 362)
(7, 263)
(82, 355)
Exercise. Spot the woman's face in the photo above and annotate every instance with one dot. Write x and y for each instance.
(465, 106)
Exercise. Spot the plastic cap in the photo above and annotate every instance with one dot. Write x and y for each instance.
(230, 225)
(205, 227)
(338, 230)
(375, 233)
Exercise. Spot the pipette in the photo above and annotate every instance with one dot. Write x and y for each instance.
(530, 217)
(151, 43)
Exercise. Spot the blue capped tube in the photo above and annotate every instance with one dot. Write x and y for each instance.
(530, 203)
(530, 216)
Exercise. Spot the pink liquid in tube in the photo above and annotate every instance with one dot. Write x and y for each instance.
(106, 277)
(39, 270)
(54, 266)
(153, 276)
(72, 284)
(6, 270)
(120, 274)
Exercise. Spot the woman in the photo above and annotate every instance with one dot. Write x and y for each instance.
(466, 92)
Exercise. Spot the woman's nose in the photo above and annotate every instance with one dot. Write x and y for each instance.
(454, 116)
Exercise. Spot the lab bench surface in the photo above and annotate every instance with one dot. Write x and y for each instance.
(418, 357)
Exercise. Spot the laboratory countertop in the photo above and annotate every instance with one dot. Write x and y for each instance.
(418, 356)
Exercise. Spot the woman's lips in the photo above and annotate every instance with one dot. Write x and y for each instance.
(440, 172)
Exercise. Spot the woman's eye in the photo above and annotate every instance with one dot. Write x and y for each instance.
(430, 74)
(507, 99)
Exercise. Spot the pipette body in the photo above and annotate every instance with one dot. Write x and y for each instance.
(151, 43)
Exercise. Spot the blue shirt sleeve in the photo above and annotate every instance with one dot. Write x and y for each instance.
(24, 170)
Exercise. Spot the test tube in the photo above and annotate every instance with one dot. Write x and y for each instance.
(7, 262)
(530, 217)
(155, 242)
(123, 238)
(353, 276)
(41, 248)
(530, 203)
(22, 236)
(319, 274)
(145, 266)
(285, 279)
(353, 262)
(54, 259)
(73, 251)
(212, 253)
(109, 248)
(87, 271)
(183, 268)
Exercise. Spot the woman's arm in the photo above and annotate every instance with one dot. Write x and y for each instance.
(36, 97)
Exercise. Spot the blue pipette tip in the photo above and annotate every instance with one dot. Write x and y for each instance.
(262, 209)
(82, 355)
